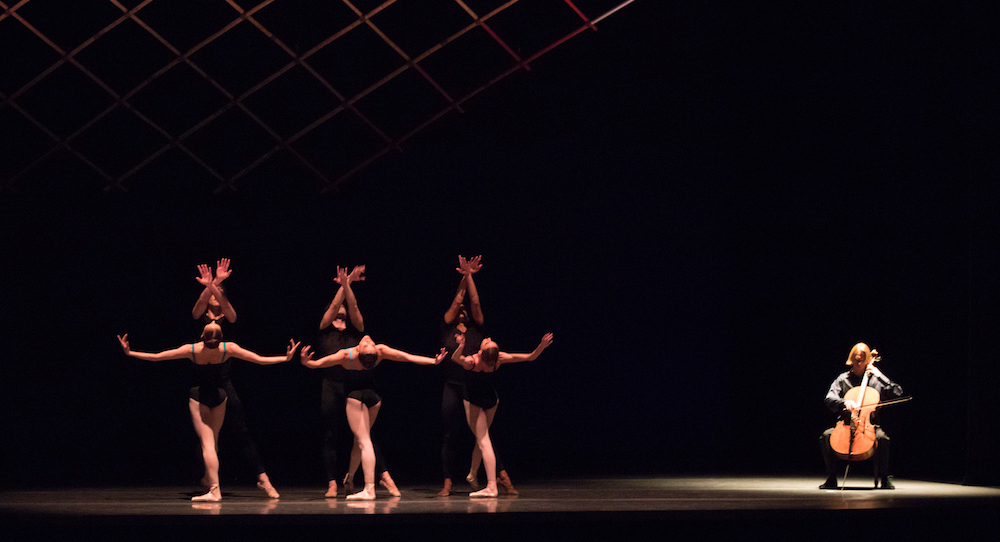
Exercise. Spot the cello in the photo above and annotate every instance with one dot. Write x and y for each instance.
(853, 439)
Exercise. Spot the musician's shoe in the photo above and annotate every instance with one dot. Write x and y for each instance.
(830, 483)
(886, 484)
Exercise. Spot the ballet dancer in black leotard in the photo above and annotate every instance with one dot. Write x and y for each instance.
(363, 402)
(342, 326)
(214, 306)
(208, 399)
(481, 399)
(465, 319)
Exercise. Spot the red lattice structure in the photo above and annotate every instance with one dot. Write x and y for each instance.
(102, 90)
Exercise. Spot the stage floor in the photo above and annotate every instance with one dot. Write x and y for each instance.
(581, 509)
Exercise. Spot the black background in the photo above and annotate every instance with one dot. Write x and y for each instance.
(707, 203)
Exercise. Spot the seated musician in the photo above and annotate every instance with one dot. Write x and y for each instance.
(860, 361)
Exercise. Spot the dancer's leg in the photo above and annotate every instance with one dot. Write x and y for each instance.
(359, 418)
(479, 422)
(207, 422)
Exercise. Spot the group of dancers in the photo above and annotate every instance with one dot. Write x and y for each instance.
(348, 359)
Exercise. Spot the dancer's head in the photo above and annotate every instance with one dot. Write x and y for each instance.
(340, 320)
(489, 352)
(211, 335)
(367, 352)
(463, 315)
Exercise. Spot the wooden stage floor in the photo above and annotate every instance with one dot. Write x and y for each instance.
(583, 509)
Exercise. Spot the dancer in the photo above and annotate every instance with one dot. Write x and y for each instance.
(341, 327)
(363, 403)
(481, 399)
(468, 321)
(213, 304)
(208, 399)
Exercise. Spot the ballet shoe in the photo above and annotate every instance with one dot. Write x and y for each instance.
(387, 483)
(489, 491)
(348, 484)
(504, 480)
(446, 490)
(331, 490)
(367, 494)
(473, 482)
(214, 495)
(269, 489)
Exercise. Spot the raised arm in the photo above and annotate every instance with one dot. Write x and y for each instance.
(456, 303)
(236, 351)
(457, 357)
(515, 358)
(338, 300)
(212, 289)
(181, 352)
(470, 268)
(358, 273)
(398, 355)
(336, 358)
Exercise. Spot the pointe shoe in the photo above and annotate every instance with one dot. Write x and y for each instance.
(504, 480)
(348, 484)
(387, 483)
(331, 490)
(269, 489)
(489, 491)
(367, 494)
(473, 482)
(446, 491)
(214, 495)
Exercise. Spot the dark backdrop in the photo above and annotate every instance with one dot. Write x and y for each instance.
(707, 204)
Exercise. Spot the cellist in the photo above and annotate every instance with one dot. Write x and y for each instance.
(860, 361)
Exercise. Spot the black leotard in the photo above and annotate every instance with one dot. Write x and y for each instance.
(479, 389)
(359, 383)
(211, 380)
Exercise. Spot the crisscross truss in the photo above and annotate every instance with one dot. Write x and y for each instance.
(97, 93)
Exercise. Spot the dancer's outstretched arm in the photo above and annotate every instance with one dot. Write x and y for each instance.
(386, 352)
(236, 351)
(181, 352)
(336, 358)
(353, 312)
(456, 303)
(514, 358)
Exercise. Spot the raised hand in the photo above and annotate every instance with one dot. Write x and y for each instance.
(222, 271)
(463, 265)
(206, 274)
(474, 265)
(123, 339)
(342, 277)
(546, 341)
(440, 356)
(460, 339)
(306, 355)
(290, 350)
(357, 274)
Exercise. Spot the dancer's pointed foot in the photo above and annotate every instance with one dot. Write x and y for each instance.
(505, 482)
(367, 494)
(446, 491)
(387, 483)
(265, 484)
(214, 495)
(489, 491)
(331, 490)
(473, 481)
(348, 484)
